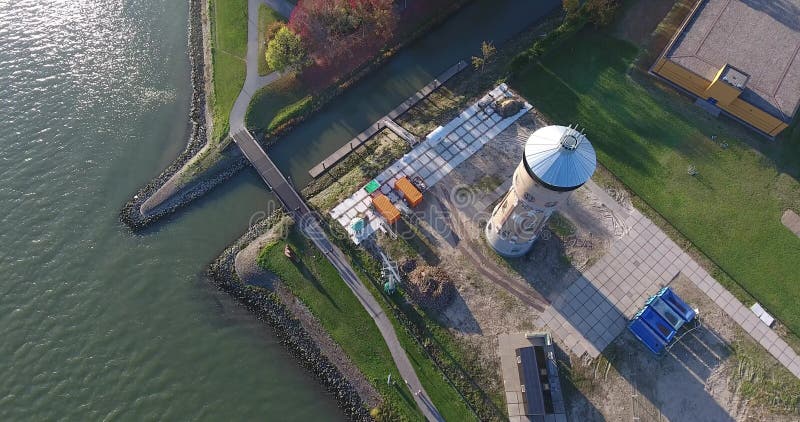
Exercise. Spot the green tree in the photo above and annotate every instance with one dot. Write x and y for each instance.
(487, 54)
(601, 12)
(285, 51)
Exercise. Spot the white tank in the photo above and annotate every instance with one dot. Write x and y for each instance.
(557, 160)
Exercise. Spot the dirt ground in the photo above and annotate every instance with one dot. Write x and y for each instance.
(447, 230)
(696, 381)
(693, 383)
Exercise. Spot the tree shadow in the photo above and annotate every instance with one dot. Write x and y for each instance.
(413, 236)
(296, 239)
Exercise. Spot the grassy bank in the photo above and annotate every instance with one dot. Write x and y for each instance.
(272, 103)
(315, 281)
(272, 111)
(648, 138)
(228, 52)
(266, 17)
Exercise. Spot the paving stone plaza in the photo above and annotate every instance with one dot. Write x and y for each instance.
(432, 159)
(595, 309)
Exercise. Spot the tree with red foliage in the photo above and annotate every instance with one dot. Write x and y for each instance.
(335, 28)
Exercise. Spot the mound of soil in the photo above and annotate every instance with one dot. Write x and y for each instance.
(508, 107)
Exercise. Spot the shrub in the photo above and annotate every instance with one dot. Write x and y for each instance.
(601, 12)
(571, 8)
(273, 28)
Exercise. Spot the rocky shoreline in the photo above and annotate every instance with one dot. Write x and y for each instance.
(130, 213)
(268, 307)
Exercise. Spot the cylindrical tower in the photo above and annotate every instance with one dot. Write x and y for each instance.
(557, 160)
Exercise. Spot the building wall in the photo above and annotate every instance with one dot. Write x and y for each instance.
(738, 108)
(517, 220)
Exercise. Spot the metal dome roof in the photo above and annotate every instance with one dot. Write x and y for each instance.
(560, 157)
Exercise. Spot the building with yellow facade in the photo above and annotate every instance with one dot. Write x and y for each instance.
(739, 57)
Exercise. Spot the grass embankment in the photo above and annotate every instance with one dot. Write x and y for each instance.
(648, 138)
(276, 103)
(266, 17)
(228, 53)
(318, 285)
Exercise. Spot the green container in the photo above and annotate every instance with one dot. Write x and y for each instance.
(372, 186)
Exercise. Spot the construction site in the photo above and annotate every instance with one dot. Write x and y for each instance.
(627, 320)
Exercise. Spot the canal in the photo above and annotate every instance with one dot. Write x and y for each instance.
(98, 323)
(410, 69)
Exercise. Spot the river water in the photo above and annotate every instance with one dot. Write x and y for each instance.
(98, 323)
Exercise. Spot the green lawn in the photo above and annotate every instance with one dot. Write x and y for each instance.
(228, 52)
(647, 137)
(266, 16)
(271, 103)
(230, 22)
(315, 281)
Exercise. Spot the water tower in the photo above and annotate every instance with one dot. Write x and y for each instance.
(557, 160)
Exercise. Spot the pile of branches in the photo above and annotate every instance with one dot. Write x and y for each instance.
(430, 287)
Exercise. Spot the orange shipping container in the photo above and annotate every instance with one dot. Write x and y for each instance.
(386, 208)
(410, 192)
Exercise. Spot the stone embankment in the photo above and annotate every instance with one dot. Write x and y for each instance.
(197, 126)
(131, 213)
(268, 307)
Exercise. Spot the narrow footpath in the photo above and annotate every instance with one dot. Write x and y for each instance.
(308, 224)
(253, 81)
(298, 209)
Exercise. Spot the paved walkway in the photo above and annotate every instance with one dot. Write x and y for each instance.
(594, 310)
(253, 82)
(432, 159)
(308, 224)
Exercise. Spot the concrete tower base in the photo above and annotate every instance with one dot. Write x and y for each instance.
(505, 247)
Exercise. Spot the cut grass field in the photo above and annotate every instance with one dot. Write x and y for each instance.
(266, 17)
(648, 138)
(228, 52)
(317, 284)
